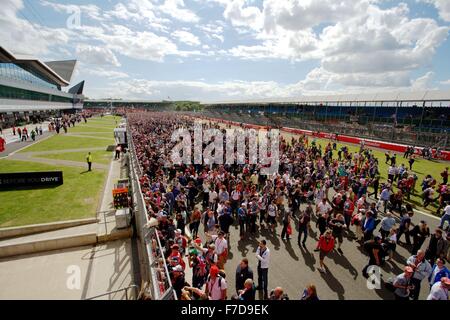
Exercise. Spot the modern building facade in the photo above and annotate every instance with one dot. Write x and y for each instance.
(31, 89)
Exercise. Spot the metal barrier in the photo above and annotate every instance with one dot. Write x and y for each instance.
(154, 267)
(135, 287)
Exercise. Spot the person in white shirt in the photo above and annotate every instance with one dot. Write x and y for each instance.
(439, 290)
(263, 255)
(221, 248)
(272, 214)
(213, 199)
(323, 207)
(216, 285)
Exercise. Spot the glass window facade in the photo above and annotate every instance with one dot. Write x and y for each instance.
(14, 72)
(16, 93)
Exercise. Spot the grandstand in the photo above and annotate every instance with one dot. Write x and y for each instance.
(417, 118)
(31, 90)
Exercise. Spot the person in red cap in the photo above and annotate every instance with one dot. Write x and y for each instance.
(439, 291)
(176, 254)
(402, 283)
(216, 285)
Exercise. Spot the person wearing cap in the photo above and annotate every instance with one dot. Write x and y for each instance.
(216, 285)
(422, 270)
(403, 285)
(176, 254)
(178, 280)
(439, 290)
(419, 233)
(263, 256)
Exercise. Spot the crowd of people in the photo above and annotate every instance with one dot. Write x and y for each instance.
(311, 187)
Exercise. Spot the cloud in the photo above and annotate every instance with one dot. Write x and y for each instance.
(177, 10)
(443, 7)
(22, 36)
(241, 15)
(186, 37)
(91, 10)
(142, 11)
(96, 55)
(213, 30)
(103, 73)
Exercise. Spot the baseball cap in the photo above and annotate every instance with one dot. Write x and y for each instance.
(178, 231)
(198, 241)
(214, 271)
(175, 246)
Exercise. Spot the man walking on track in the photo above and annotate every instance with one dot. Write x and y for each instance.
(263, 255)
(89, 161)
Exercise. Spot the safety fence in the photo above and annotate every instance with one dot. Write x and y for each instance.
(154, 269)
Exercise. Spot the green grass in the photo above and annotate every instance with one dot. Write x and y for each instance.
(94, 128)
(62, 142)
(97, 134)
(77, 198)
(102, 157)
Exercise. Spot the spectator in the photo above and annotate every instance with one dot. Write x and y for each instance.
(221, 248)
(304, 225)
(422, 270)
(402, 284)
(216, 285)
(248, 292)
(439, 271)
(324, 246)
(419, 233)
(374, 249)
(437, 247)
(243, 272)
(310, 293)
(278, 294)
(387, 223)
(439, 291)
(263, 256)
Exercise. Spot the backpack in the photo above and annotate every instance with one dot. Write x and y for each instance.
(220, 277)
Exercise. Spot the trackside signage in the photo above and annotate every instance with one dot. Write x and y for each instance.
(30, 179)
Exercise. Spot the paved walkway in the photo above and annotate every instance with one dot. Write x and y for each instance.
(53, 275)
(18, 145)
